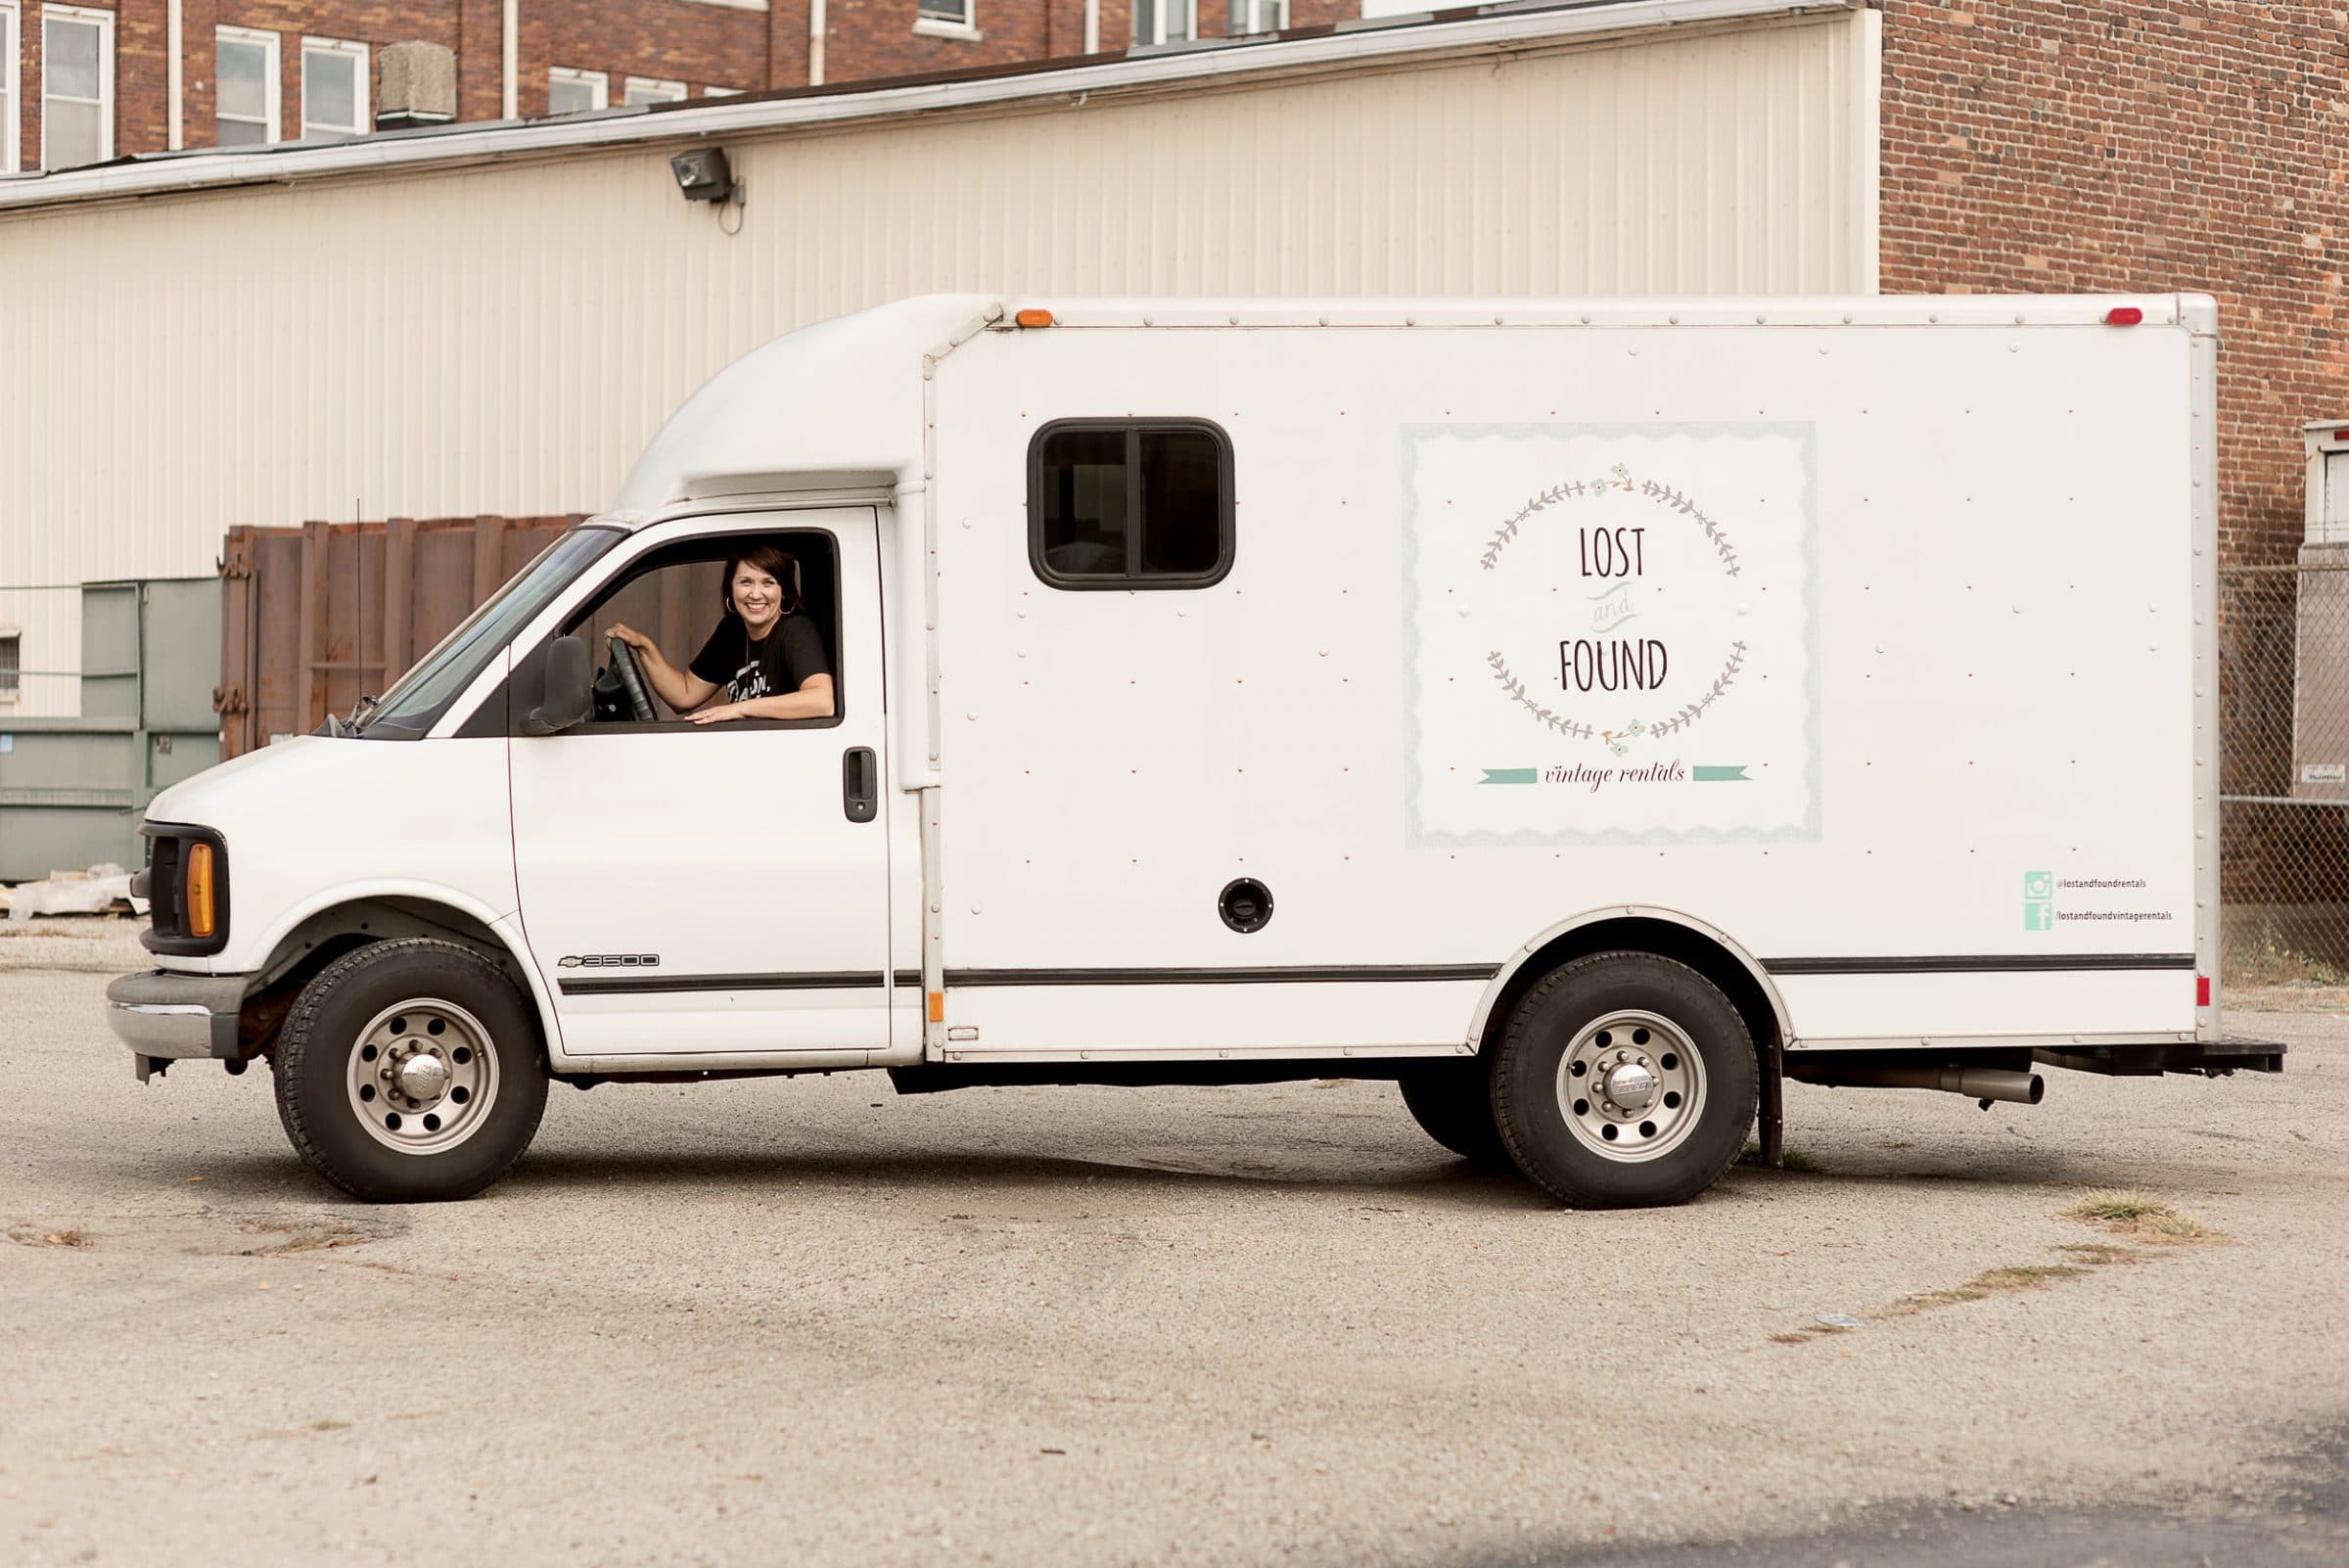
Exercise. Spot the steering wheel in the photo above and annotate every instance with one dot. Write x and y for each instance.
(631, 681)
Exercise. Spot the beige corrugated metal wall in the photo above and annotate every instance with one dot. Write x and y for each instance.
(504, 339)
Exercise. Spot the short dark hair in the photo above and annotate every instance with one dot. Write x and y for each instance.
(773, 560)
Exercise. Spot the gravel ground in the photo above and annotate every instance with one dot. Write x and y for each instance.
(808, 1321)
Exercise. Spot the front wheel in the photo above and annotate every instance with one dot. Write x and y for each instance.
(1625, 1081)
(410, 1072)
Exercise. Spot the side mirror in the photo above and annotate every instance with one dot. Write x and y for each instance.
(568, 695)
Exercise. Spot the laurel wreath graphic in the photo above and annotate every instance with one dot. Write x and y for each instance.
(1671, 498)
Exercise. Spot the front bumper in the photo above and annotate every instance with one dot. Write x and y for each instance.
(166, 1017)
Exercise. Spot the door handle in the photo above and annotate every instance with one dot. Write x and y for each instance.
(860, 784)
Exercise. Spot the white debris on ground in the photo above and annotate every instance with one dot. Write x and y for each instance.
(100, 889)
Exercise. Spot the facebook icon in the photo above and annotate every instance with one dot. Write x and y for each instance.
(2038, 915)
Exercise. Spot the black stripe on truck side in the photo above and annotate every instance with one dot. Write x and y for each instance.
(1981, 964)
(1348, 974)
(1300, 975)
(642, 984)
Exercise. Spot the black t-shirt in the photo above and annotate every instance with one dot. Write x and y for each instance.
(792, 653)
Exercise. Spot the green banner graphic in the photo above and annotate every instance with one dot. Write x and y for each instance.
(1507, 775)
(1722, 775)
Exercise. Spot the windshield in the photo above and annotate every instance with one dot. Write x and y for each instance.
(416, 702)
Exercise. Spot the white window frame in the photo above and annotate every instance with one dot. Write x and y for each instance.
(273, 90)
(667, 92)
(104, 21)
(722, 92)
(947, 19)
(1158, 21)
(1253, 17)
(597, 82)
(12, 60)
(362, 91)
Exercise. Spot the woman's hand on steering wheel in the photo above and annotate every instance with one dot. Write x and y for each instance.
(625, 643)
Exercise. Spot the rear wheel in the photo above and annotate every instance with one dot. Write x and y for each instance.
(410, 1072)
(1625, 1081)
(1452, 1103)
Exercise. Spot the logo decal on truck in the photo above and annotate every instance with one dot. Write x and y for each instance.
(609, 960)
(1610, 614)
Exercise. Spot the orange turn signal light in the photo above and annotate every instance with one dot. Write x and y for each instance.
(200, 890)
(938, 1007)
(1034, 318)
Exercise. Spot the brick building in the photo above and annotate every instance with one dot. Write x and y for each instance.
(85, 82)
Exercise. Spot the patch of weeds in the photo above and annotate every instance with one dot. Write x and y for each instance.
(2117, 1207)
(2132, 1213)
(2177, 1228)
(1984, 1285)
(1910, 1305)
(2024, 1277)
(1795, 1160)
(2097, 1254)
(2267, 959)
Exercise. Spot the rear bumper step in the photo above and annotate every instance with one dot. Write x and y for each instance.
(2204, 1058)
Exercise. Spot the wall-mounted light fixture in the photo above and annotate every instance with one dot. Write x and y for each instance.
(704, 175)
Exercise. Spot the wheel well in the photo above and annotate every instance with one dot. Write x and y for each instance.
(1636, 934)
(331, 933)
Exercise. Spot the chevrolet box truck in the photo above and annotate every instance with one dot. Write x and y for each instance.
(1585, 714)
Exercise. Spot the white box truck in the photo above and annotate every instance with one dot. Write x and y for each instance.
(1585, 713)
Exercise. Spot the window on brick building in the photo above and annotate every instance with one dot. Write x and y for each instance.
(576, 92)
(953, 12)
(648, 90)
(77, 86)
(1259, 16)
(11, 664)
(1159, 21)
(334, 90)
(9, 66)
(245, 87)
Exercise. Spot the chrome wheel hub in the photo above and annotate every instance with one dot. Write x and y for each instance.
(1631, 1086)
(422, 1076)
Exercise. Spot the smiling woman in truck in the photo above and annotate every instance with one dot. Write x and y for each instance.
(765, 655)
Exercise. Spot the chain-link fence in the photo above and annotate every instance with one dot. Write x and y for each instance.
(2283, 816)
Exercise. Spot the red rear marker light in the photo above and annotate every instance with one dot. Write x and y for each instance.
(2201, 991)
(2123, 316)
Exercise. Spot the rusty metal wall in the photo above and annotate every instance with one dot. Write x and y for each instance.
(312, 618)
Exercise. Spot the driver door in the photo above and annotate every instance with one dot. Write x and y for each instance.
(718, 888)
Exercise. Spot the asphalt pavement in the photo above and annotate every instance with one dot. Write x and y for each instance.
(808, 1321)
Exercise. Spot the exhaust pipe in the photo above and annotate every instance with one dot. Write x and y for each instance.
(1984, 1083)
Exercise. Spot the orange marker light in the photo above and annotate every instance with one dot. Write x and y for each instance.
(200, 890)
(938, 1007)
(1034, 318)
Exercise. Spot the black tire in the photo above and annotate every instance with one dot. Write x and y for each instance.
(1687, 1034)
(1452, 1103)
(371, 992)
